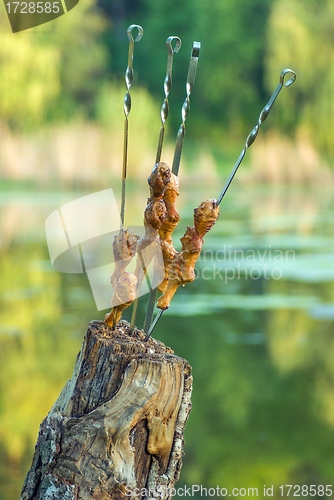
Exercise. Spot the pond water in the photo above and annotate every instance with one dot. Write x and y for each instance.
(257, 326)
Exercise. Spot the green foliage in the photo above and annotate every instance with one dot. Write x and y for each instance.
(57, 71)
(31, 309)
(83, 59)
(300, 35)
(263, 405)
(29, 79)
(144, 125)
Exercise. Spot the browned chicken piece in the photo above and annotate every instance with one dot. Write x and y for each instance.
(124, 295)
(182, 268)
(124, 249)
(158, 180)
(125, 243)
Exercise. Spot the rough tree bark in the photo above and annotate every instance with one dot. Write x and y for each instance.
(117, 424)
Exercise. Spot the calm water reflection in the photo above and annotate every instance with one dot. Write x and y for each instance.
(257, 327)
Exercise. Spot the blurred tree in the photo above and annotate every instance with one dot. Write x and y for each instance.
(52, 71)
(229, 87)
(300, 35)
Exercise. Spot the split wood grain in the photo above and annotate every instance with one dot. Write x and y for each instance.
(117, 426)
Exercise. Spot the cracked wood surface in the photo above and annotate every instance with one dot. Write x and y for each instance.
(117, 426)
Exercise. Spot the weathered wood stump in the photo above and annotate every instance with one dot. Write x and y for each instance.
(116, 429)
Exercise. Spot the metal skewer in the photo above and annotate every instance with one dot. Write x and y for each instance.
(163, 115)
(186, 106)
(253, 134)
(249, 141)
(150, 308)
(167, 86)
(127, 108)
(154, 324)
(177, 155)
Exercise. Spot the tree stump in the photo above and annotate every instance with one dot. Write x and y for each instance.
(116, 429)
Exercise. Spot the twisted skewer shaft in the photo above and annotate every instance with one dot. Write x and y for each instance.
(127, 109)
